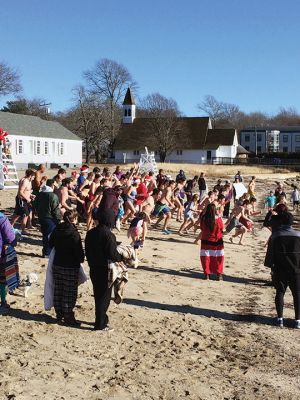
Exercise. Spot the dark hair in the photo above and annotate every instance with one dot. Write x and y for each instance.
(70, 216)
(221, 197)
(171, 182)
(66, 181)
(141, 215)
(96, 170)
(252, 200)
(209, 217)
(29, 172)
(155, 191)
(246, 202)
(210, 193)
(151, 173)
(61, 171)
(281, 209)
(97, 176)
(50, 182)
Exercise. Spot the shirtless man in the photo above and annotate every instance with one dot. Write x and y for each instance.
(149, 204)
(63, 194)
(164, 206)
(23, 199)
(251, 187)
(39, 179)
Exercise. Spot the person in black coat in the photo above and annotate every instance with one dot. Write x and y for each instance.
(283, 257)
(69, 255)
(101, 248)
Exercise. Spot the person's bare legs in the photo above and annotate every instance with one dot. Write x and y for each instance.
(167, 220)
(14, 219)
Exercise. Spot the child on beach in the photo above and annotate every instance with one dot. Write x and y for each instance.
(138, 230)
(295, 197)
(190, 215)
(270, 201)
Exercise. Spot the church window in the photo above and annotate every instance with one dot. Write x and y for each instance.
(136, 152)
(125, 112)
(129, 112)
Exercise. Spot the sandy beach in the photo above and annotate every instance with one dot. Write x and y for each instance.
(176, 335)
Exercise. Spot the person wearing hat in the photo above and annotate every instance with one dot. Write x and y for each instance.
(84, 170)
(283, 257)
(101, 249)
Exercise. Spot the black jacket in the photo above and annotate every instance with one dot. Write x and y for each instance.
(283, 253)
(202, 184)
(68, 247)
(100, 247)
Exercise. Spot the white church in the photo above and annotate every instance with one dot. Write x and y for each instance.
(33, 140)
(200, 143)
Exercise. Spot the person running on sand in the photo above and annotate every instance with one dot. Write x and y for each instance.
(23, 200)
(164, 206)
(59, 177)
(295, 197)
(251, 187)
(244, 222)
(138, 230)
(212, 247)
(191, 214)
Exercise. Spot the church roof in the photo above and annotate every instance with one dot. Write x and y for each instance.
(28, 125)
(129, 99)
(195, 135)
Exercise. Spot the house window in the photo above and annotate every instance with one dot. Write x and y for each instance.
(247, 138)
(136, 152)
(247, 148)
(61, 152)
(259, 149)
(285, 149)
(20, 146)
(285, 138)
(38, 147)
(297, 139)
(259, 137)
(46, 148)
(179, 152)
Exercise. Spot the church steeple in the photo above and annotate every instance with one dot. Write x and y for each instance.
(128, 108)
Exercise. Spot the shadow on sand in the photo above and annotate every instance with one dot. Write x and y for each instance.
(204, 312)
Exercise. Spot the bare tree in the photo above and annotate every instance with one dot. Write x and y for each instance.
(213, 108)
(35, 106)
(164, 123)
(9, 80)
(108, 81)
(89, 118)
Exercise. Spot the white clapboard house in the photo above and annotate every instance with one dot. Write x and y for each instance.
(37, 141)
(198, 143)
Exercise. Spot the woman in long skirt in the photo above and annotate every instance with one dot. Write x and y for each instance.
(9, 270)
(68, 255)
(212, 247)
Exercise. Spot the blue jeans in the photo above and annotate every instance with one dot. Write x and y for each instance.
(47, 226)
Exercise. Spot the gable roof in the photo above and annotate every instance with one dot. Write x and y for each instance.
(195, 135)
(128, 100)
(219, 137)
(28, 125)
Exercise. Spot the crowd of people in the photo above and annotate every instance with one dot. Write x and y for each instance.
(139, 201)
